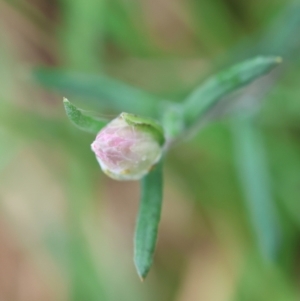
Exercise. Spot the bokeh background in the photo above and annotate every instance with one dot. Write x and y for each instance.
(231, 214)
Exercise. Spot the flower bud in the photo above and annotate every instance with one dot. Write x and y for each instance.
(128, 147)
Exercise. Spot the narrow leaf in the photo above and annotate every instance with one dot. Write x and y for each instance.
(148, 220)
(218, 86)
(82, 121)
(106, 93)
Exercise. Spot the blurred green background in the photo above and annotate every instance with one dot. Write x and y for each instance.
(231, 214)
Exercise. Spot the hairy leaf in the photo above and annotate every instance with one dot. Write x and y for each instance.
(82, 121)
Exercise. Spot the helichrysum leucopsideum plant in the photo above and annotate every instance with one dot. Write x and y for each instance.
(132, 147)
(129, 146)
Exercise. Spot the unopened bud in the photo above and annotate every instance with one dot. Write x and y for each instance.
(128, 147)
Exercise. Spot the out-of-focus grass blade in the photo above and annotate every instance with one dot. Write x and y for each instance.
(8, 147)
(83, 24)
(252, 284)
(213, 23)
(122, 20)
(82, 121)
(253, 173)
(87, 282)
(278, 37)
(109, 93)
(219, 85)
(148, 220)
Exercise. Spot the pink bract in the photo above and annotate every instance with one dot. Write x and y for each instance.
(124, 151)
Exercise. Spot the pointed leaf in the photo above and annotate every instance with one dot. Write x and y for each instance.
(218, 86)
(148, 220)
(82, 121)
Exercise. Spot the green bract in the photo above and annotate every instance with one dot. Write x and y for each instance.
(147, 125)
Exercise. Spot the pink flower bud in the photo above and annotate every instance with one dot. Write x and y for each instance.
(128, 147)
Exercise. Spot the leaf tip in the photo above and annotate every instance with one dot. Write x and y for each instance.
(142, 270)
(142, 279)
(67, 105)
(142, 273)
